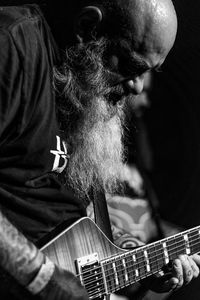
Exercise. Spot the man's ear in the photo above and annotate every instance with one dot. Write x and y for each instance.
(87, 22)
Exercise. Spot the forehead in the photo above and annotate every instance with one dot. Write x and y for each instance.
(137, 57)
(141, 34)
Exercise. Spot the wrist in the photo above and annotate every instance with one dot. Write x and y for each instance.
(33, 268)
(42, 277)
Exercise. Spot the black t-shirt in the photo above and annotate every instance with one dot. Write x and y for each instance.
(32, 152)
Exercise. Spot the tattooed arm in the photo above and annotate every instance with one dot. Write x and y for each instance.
(18, 256)
(23, 261)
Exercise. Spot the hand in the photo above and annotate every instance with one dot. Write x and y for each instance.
(183, 270)
(63, 286)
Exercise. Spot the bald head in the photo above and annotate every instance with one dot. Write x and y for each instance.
(120, 17)
(139, 19)
(152, 23)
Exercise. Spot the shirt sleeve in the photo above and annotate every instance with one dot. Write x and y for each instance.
(11, 76)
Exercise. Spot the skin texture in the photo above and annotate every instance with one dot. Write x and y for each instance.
(143, 46)
(17, 255)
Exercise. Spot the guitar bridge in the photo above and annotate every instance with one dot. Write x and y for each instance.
(90, 275)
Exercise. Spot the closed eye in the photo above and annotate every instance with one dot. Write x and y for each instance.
(132, 68)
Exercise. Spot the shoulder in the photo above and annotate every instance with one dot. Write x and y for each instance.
(18, 28)
(12, 16)
(24, 27)
(25, 31)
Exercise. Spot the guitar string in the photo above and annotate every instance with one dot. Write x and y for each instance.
(136, 265)
(160, 251)
(130, 265)
(100, 289)
(142, 273)
(132, 279)
(139, 269)
(123, 283)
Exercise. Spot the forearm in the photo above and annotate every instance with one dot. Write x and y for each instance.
(18, 256)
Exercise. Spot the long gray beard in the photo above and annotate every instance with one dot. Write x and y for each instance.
(97, 159)
(92, 131)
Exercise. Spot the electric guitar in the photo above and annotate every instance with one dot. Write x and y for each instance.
(102, 267)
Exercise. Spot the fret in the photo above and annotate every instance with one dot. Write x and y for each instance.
(125, 269)
(130, 268)
(148, 268)
(171, 247)
(135, 266)
(159, 253)
(116, 273)
(120, 272)
(194, 240)
(109, 275)
(105, 278)
(166, 255)
(180, 245)
(152, 257)
(187, 246)
(141, 265)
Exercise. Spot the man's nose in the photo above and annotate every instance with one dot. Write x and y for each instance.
(135, 86)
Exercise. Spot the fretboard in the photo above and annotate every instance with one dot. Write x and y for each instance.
(125, 269)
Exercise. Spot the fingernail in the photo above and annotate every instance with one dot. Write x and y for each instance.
(183, 257)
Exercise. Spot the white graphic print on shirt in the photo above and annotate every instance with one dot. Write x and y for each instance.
(61, 156)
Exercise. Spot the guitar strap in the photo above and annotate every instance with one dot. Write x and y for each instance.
(102, 218)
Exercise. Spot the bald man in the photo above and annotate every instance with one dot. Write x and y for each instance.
(65, 75)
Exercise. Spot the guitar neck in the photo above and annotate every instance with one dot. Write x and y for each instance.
(132, 266)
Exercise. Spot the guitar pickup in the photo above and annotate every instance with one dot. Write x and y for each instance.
(85, 260)
(89, 271)
(86, 264)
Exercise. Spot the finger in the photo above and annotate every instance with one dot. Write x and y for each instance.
(187, 269)
(194, 267)
(163, 284)
(196, 259)
(177, 272)
(171, 284)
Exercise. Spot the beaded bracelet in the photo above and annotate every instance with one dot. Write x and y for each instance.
(43, 277)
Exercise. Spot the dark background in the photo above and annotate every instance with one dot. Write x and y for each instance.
(173, 122)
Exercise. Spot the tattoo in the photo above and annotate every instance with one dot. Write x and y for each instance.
(18, 256)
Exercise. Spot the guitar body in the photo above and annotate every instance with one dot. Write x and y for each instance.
(82, 239)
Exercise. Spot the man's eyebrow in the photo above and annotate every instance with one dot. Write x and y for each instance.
(134, 62)
(138, 63)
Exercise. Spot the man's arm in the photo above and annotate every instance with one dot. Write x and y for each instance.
(18, 256)
(23, 261)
